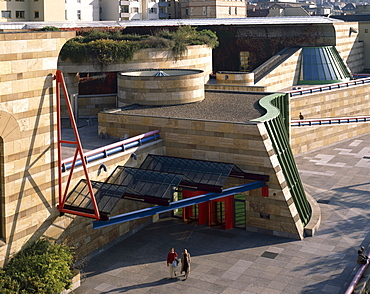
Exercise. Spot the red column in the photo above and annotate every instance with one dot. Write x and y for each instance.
(229, 212)
(202, 213)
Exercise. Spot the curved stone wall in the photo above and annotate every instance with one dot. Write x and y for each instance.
(196, 57)
(177, 86)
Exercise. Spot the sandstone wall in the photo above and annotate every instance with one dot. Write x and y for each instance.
(196, 57)
(348, 45)
(245, 144)
(28, 151)
(344, 102)
(283, 76)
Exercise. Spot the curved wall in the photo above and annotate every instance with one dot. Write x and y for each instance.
(142, 87)
(196, 57)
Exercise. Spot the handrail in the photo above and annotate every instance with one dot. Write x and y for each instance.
(357, 278)
(328, 121)
(109, 149)
(329, 87)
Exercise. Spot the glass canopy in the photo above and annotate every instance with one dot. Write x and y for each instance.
(322, 65)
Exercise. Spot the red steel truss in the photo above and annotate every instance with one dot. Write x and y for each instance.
(60, 83)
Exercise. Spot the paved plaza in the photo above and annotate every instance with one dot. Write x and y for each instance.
(237, 261)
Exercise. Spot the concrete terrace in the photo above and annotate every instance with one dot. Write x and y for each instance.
(237, 261)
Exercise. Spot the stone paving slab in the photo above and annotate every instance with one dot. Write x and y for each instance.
(237, 261)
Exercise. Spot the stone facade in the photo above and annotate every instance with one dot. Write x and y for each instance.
(143, 87)
(196, 57)
(283, 76)
(28, 151)
(28, 134)
(245, 144)
(344, 102)
(349, 46)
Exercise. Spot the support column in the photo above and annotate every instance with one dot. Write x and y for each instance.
(229, 212)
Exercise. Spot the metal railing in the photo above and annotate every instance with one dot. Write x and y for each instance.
(328, 121)
(311, 90)
(111, 149)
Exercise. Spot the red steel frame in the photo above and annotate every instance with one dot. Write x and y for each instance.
(79, 151)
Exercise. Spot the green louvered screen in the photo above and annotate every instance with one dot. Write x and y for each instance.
(276, 121)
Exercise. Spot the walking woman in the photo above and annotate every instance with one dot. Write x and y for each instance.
(185, 263)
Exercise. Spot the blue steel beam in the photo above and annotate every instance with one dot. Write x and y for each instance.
(129, 216)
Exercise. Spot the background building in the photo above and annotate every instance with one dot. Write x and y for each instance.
(49, 10)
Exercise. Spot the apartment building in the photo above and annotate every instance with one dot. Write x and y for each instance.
(86, 10)
(213, 8)
(129, 10)
(49, 10)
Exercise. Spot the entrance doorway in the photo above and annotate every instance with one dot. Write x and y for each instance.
(239, 209)
(217, 214)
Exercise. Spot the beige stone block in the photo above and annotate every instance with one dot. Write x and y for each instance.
(5, 89)
(49, 63)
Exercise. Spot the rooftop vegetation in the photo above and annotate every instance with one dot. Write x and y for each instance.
(109, 46)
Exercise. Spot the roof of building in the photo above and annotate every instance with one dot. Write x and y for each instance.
(291, 20)
(217, 106)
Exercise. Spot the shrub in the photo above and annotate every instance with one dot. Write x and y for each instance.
(108, 46)
(49, 29)
(41, 268)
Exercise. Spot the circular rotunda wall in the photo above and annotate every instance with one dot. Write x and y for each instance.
(160, 86)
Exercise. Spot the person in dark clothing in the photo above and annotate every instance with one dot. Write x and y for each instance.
(361, 257)
(172, 262)
(185, 263)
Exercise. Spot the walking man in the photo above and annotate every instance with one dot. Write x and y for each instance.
(171, 260)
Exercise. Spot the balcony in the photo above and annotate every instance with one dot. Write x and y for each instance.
(163, 4)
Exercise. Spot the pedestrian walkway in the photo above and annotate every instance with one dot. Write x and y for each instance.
(241, 262)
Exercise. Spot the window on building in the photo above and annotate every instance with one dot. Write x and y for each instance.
(230, 10)
(244, 60)
(6, 14)
(78, 14)
(204, 11)
(125, 9)
(191, 10)
(35, 0)
(134, 9)
(236, 10)
(152, 10)
(65, 15)
(366, 31)
(37, 14)
(19, 14)
(186, 11)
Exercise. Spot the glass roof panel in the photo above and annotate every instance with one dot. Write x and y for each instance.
(106, 195)
(194, 169)
(322, 65)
